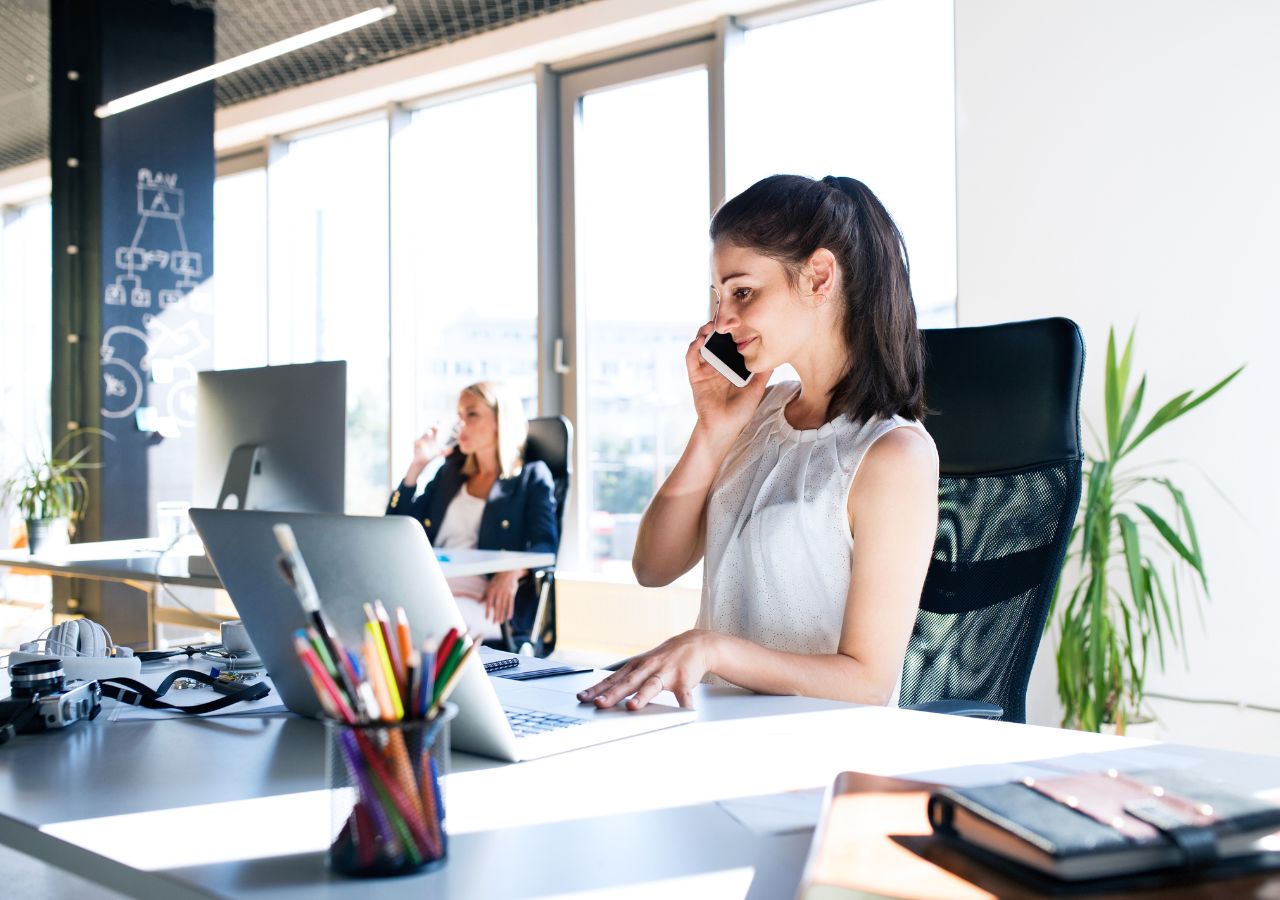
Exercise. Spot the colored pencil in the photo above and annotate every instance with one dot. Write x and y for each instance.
(442, 652)
(442, 694)
(392, 644)
(317, 671)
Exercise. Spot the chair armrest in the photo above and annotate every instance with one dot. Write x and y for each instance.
(970, 708)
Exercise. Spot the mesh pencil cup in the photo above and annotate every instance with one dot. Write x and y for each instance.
(386, 802)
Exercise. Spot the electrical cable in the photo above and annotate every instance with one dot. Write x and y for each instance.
(164, 585)
(1238, 704)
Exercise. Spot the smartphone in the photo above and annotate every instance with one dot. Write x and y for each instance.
(722, 353)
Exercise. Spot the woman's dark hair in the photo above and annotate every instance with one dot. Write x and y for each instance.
(787, 218)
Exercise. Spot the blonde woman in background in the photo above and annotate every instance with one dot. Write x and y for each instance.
(486, 497)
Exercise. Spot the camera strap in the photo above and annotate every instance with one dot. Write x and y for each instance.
(19, 721)
(135, 693)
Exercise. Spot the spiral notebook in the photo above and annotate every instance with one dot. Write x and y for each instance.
(507, 662)
(501, 664)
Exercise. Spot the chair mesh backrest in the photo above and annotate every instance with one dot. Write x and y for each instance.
(1004, 410)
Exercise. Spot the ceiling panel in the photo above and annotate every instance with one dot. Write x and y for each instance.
(244, 25)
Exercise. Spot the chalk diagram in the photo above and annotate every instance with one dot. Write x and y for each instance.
(160, 353)
(160, 200)
(167, 355)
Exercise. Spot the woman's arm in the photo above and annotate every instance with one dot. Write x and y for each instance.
(893, 512)
(427, 447)
(540, 511)
(672, 532)
(539, 537)
(673, 529)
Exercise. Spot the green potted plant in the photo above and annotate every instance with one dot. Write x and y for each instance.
(50, 491)
(1125, 603)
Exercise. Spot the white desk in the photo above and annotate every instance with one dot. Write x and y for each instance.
(235, 807)
(145, 564)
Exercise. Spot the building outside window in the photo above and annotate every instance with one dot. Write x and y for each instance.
(465, 254)
(642, 293)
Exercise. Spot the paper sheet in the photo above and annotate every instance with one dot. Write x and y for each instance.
(777, 813)
(122, 712)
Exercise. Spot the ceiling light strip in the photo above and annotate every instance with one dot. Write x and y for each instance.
(244, 60)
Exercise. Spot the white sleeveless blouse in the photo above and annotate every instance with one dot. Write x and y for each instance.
(778, 549)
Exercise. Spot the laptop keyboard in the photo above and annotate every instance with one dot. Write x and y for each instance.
(525, 722)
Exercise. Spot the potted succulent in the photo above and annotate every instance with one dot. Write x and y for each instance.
(1125, 604)
(50, 490)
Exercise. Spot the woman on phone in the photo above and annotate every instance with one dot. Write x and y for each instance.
(813, 503)
(484, 496)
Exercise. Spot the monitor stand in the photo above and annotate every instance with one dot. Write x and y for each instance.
(244, 464)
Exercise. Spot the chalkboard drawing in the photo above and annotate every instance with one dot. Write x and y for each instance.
(159, 200)
(172, 350)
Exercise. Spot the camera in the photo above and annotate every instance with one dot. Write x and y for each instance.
(44, 699)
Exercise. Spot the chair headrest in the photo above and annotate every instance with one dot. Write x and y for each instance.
(1004, 397)
(551, 440)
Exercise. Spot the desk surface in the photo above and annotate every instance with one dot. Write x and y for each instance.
(236, 807)
(146, 561)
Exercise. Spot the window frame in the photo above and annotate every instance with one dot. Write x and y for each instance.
(573, 87)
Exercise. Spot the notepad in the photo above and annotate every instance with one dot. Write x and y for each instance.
(509, 662)
(1099, 825)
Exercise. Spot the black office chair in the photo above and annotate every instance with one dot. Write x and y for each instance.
(1004, 409)
(551, 441)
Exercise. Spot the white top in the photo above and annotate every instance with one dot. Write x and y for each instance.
(460, 530)
(778, 549)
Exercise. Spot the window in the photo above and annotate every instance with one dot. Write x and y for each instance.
(641, 202)
(465, 257)
(26, 356)
(26, 371)
(240, 270)
(869, 92)
(329, 292)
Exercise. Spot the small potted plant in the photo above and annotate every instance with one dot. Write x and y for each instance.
(50, 490)
(1125, 604)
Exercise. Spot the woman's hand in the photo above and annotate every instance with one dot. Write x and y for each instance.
(500, 597)
(429, 445)
(723, 409)
(675, 665)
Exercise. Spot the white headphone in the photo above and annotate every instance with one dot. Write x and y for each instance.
(76, 637)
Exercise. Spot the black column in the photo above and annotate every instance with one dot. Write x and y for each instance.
(133, 255)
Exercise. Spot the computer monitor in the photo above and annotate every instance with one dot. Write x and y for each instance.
(272, 438)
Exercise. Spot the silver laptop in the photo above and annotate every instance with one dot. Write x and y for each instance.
(358, 559)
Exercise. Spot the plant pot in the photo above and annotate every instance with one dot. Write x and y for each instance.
(44, 535)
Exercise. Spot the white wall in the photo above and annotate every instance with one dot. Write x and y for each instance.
(1119, 162)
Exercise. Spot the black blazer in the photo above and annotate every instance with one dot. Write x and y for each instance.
(519, 514)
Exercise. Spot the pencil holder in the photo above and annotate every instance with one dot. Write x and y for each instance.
(387, 806)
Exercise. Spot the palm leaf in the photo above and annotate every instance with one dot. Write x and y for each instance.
(1181, 501)
(1130, 415)
(1163, 416)
(1113, 390)
(1172, 539)
(1209, 393)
